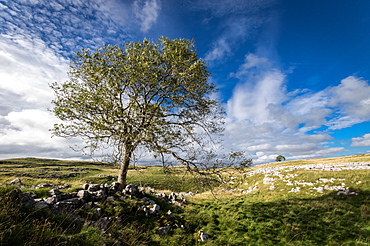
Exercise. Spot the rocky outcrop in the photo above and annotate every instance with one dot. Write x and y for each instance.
(92, 195)
(58, 201)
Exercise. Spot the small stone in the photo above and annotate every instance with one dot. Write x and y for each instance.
(99, 195)
(132, 190)
(98, 211)
(65, 186)
(203, 236)
(85, 186)
(110, 199)
(172, 197)
(16, 181)
(154, 209)
(51, 200)
(83, 194)
(54, 192)
(93, 187)
(41, 204)
(103, 223)
(163, 230)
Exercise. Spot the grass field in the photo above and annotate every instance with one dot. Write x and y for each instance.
(286, 206)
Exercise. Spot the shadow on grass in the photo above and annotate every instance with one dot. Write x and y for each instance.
(326, 220)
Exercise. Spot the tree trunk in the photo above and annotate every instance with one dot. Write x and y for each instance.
(124, 168)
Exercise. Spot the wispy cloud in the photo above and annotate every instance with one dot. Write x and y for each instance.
(62, 24)
(147, 12)
(241, 19)
(235, 7)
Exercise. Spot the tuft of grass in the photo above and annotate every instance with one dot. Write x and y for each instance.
(28, 226)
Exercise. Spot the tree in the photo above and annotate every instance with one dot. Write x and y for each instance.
(280, 158)
(154, 95)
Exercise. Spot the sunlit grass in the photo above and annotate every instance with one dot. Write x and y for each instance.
(264, 216)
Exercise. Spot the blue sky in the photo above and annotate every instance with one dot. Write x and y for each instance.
(293, 75)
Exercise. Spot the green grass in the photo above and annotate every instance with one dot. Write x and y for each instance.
(263, 217)
(34, 171)
(324, 220)
(27, 226)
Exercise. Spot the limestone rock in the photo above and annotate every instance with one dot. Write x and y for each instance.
(54, 192)
(41, 204)
(163, 230)
(51, 200)
(16, 181)
(93, 187)
(203, 236)
(84, 194)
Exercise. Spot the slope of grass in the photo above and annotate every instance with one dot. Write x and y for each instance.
(34, 171)
(263, 216)
(325, 220)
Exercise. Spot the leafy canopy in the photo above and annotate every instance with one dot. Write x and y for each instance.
(155, 95)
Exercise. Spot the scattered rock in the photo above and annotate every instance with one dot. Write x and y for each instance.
(346, 192)
(154, 209)
(163, 230)
(91, 196)
(41, 204)
(65, 186)
(51, 200)
(203, 236)
(268, 180)
(98, 211)
(85, 186)
(16, 181)
(103, 223)
(54, 192)
(132, 190)
(27, 199)
(84, 194)
(296, 189)
(93, 187)
(172, 197)
(250, 190)
(110, 199)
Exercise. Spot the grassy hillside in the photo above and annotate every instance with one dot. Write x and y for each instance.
(306, 202)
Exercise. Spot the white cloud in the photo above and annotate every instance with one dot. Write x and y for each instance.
(266, 120)
(147, 12)
(30, 126)
(264, 86)
(226, 7)
(25, 97)
(221, 49)
(351, 93)
(26, 134)
(343, 122)
(361, 141)
(27, 74)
